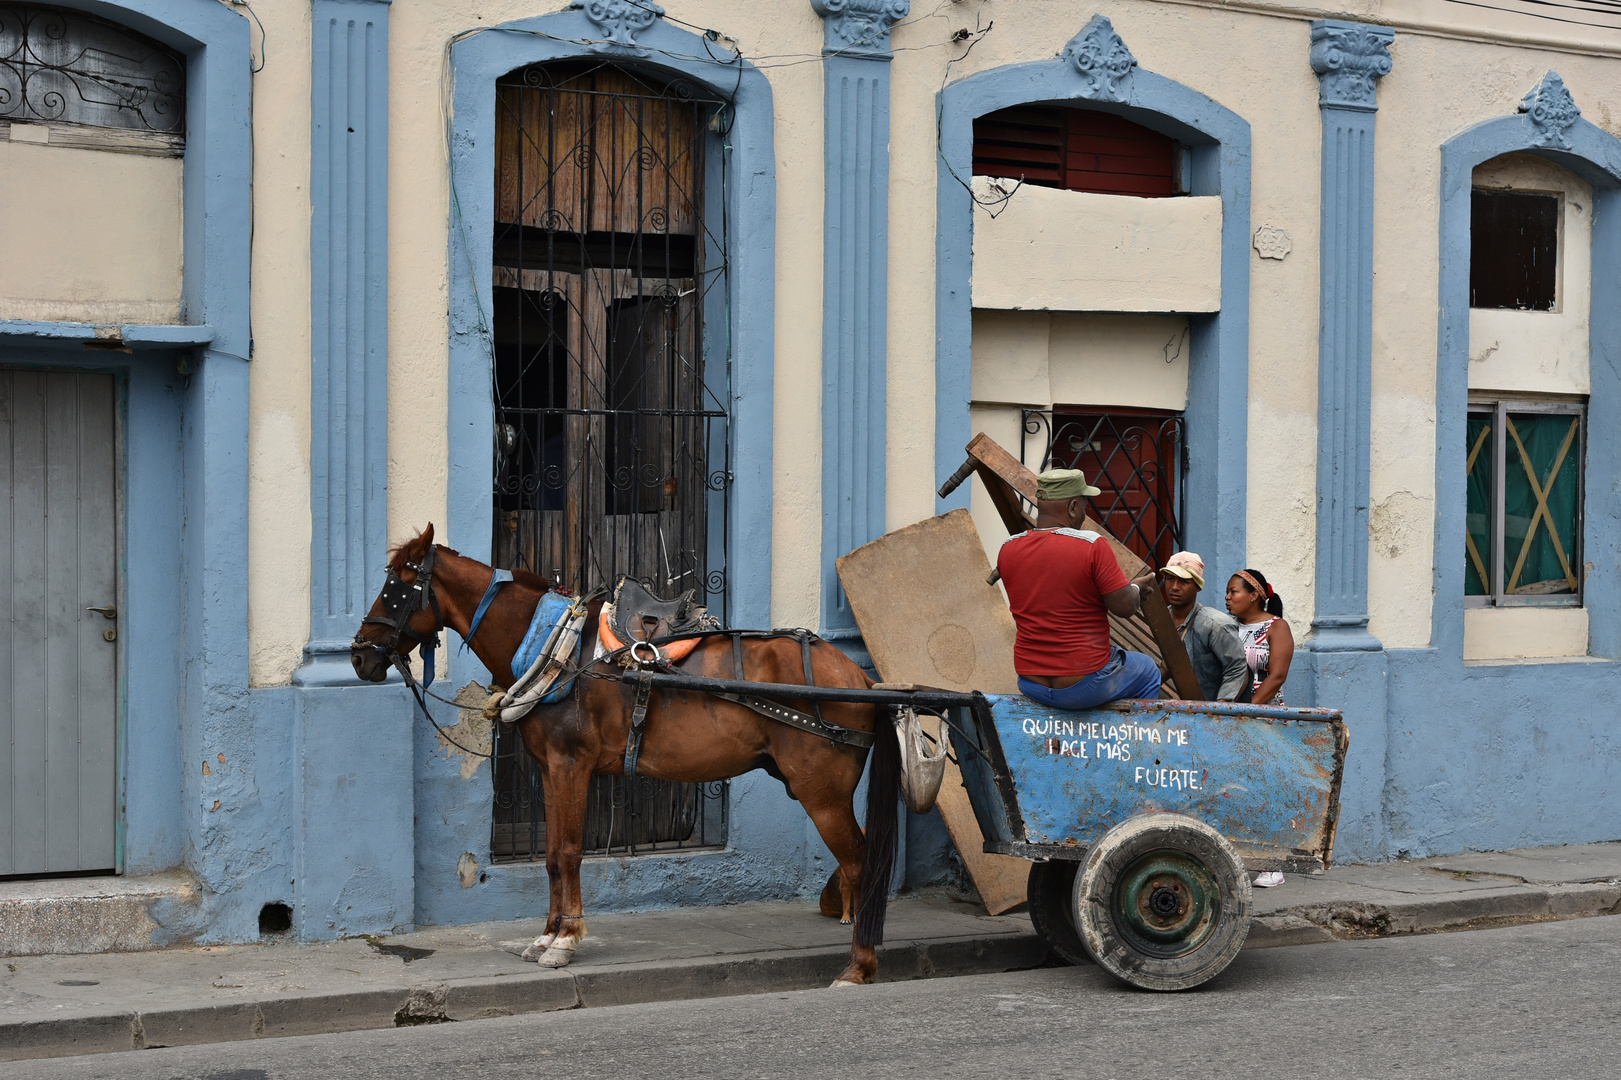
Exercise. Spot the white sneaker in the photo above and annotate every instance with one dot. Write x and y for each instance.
(1269, 879)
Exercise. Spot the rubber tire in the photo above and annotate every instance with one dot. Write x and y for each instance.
(1051, 892)
(1094, 901)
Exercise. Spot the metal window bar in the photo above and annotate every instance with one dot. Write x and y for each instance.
(1137, 458)
(610, 386)
(1504, 593)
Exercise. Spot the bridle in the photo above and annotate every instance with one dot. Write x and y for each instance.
(401, 600)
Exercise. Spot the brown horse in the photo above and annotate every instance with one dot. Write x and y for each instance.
(689, 737)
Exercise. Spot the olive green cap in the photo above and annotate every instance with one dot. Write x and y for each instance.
(1056, 485)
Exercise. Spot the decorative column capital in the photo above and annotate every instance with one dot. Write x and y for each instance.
(1104, 62)
(860, 27)
(1349, 59)
(621, 21)
(1552, 111)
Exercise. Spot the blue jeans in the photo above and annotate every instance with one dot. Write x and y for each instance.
(1126, 675)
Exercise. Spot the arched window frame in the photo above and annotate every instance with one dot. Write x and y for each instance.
(1218, 141)
(1595, 156)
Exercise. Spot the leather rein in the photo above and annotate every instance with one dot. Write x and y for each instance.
(401, 600)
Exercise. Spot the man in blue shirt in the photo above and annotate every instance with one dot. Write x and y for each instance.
(1211, 636)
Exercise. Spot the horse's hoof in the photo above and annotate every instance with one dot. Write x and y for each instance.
(843, 982)
(844, 922)
(556, 957)
(537, 947)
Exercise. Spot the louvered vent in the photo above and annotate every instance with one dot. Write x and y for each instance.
(1078, 150)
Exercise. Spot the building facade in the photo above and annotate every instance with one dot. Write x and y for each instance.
(712, 293)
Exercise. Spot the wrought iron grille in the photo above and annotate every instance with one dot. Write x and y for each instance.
(1135, 456)
(65, 67)
(610, 384)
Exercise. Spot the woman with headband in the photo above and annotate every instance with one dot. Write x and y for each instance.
(1269, 646)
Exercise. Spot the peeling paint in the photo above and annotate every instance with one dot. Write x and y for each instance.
(473, 730)
(467, 869)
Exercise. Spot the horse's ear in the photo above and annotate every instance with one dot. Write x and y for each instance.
(426, 539)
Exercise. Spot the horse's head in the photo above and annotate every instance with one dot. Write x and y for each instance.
(404, 615)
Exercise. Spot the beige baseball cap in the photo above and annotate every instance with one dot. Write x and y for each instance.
(1185, 564)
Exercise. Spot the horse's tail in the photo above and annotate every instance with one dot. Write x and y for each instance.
(883, 796)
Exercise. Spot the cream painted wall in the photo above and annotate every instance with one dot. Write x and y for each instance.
(1540, 351)
(1040, 249)
(279, 376)
(87, 235)
(1422, 103)
(1229, 54)
(1518, 633)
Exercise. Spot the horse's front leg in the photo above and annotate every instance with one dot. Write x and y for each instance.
(567, 785)
(554, 885)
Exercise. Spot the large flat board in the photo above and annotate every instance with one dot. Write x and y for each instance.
(928, 616)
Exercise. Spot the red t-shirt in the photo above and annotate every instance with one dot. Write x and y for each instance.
(1056, 580)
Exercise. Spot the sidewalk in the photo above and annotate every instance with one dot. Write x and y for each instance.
(59, 1005)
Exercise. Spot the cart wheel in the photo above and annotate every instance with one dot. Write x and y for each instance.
(1163, 902)
(1052, 898)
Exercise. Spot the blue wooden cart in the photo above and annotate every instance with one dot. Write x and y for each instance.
(1143, 817)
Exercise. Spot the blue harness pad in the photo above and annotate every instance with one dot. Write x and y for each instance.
(551, 610)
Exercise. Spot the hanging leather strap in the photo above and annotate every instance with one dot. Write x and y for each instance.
(638, 723)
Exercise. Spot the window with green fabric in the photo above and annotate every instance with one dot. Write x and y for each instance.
(1523, 519)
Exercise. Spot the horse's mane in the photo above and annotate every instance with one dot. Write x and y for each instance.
(396, 558)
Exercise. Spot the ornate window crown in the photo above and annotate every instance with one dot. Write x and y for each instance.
(1552, 111)
(1103, 60)
(621, 21)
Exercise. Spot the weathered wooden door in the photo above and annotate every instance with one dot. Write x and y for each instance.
(59, 660)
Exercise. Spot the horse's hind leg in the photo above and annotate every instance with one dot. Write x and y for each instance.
(835, 820)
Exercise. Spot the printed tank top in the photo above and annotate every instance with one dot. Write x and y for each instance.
(1258, 655)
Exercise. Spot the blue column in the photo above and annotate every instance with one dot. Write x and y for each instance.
(855, 303)
(1345, 663)
(348, 328)
(1349, 58)
(353, 797)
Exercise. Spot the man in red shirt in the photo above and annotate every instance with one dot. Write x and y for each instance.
(1062, 584)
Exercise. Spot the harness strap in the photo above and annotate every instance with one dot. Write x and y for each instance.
(841, 736)
(810, 676)
(638, 724)
(498, 579)
(737, 656)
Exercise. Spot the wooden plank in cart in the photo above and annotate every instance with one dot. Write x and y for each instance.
(929, 617)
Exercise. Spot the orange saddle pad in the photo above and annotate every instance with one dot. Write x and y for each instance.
(674, 650)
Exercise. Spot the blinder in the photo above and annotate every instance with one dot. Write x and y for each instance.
(401, 600)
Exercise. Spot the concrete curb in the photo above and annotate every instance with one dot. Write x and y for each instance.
(1498, 907)
(543, 990)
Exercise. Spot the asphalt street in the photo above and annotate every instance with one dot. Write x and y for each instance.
(1539, 1001)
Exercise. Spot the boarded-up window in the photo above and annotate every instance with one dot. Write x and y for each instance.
(1078, 150)
(1513, 250)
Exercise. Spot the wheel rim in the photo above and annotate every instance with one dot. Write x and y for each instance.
(1166, 903)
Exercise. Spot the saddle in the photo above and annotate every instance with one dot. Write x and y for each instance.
(637, 615)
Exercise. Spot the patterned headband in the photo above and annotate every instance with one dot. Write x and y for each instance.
(1260, 590)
